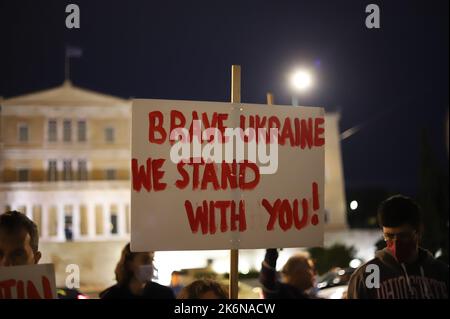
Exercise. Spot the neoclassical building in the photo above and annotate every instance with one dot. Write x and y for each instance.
(64, 162)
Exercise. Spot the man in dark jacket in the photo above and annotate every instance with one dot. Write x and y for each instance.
(402, 270)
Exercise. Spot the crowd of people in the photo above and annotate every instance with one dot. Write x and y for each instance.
(402, 270)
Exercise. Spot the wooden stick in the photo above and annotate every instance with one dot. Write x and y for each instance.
(236, 84)
(269, 98)
(234, 253)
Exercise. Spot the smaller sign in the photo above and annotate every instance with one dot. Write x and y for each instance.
(28, 282)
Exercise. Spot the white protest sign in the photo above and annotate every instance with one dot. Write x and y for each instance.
(191, 195)
(28, 282)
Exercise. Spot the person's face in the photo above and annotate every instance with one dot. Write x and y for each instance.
(401, 233)
(175, 280)
(310, 274)
(141, 259)
(402, 242)
(304, 277)
(15, 249)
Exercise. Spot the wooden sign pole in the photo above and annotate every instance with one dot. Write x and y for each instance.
(269, 98)
(234, 253)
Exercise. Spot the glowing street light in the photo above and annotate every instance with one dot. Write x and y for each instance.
(301, 80)
(353, 205)
(355, 263)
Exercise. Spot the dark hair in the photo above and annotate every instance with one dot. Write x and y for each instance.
(399, 210)
(197, 288)
(14, 221)
(123, 273)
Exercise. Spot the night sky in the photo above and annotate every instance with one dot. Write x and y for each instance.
(394, 79)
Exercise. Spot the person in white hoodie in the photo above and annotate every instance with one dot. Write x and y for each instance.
(402, 270)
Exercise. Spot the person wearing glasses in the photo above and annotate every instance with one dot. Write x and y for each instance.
(402, 270)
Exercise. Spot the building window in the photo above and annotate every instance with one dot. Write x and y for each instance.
(67, 170)
(82, 170)
(68, 227)
(109, 134)
(52, 173)
(23, 174)
(52, 131)
(110, 174)
(81, 131)
(67, 130)
(23, 133)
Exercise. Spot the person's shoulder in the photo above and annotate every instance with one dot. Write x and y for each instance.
(158, 291)
(441, 264)
(441, 267)
(155, 285)
(290, 292)
(430, 263)
(362, 270)
(356, 286)
(111, 292)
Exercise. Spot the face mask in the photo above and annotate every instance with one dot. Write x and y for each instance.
(402, 250)
(145, 273)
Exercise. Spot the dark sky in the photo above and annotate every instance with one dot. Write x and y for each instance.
(396, 78)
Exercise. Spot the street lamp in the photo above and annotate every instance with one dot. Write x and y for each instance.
(301, 81)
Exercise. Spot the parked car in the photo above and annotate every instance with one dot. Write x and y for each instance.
(333, 284)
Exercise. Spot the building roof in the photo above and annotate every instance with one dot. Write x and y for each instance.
(65, 95)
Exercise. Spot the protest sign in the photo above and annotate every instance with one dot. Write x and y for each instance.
(195, 185)
(28, 282)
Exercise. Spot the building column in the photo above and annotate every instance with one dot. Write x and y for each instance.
(121, 220)
(126, 219)
(59, 168)
(76, 221)
(60, 222)
(29, 211)
(106, 208)
(91, 224)
(44, 222)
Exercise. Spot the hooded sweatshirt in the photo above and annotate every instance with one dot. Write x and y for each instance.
(385, 278)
